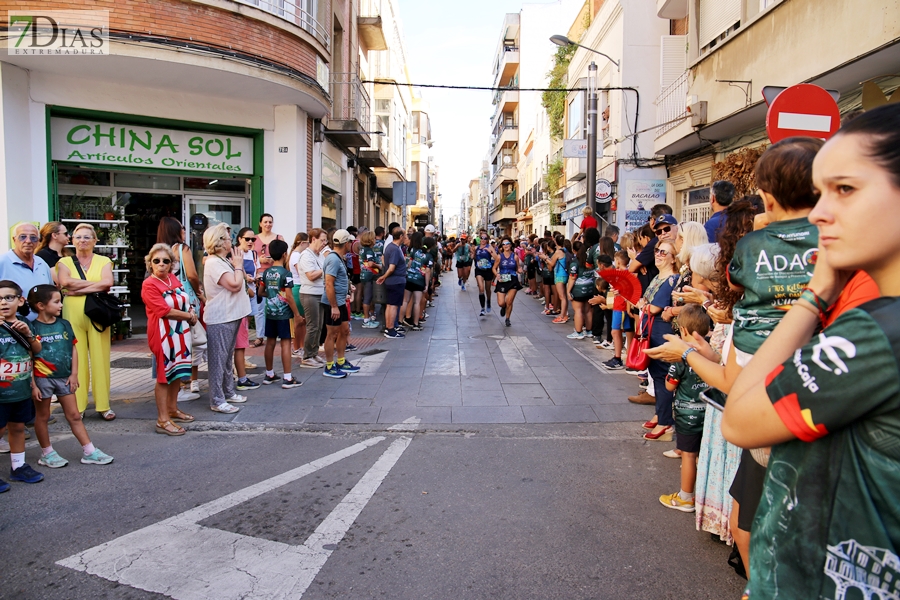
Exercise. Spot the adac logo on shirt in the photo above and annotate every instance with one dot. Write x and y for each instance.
(779, 263)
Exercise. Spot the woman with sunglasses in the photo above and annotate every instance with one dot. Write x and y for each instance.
(93, 346)
(169, 320)
(52, 247)
(507, 268)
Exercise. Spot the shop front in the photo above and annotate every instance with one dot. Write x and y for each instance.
(123, 173)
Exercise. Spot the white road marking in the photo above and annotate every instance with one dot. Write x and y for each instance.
(511, 356)
(805, 122)
(410, 424)
(369, 364)
(182, 559)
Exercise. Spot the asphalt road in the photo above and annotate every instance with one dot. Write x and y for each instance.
(471, 511)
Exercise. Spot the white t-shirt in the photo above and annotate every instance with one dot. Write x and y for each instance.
(292, 265)
(222, 306)
(310, 261)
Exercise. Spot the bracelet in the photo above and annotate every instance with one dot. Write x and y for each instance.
(816, 304)
(685, 354)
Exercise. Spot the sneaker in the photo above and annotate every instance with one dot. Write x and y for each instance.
(28, 432)
(370, 324)
(459, 282)
(405, 323)
(298, 353)
(631, 371)
(4, 487)
(416, 328)
(357, 316)
(185, 395)
(287, 384)
(270, 379)
(348, 368)
(25, 474)
(643, 383)
(52, 460)
(607, 345)
(4, 447)
(401, 328)
(319, 360)
(195, 385)
(236, 399)
(246, 384)
(393, 335)
(463, 287)
(430, 304)
(576, 335)
(482, 313)
(502, 311)
(543, 301)
(224, 407)
(424, 316)
(488, 310)
(614, 364)
(309, 363)
(248, 364)
(508, 323)
(351, 347)
(97, 457)
(675, 501)
(334, 372)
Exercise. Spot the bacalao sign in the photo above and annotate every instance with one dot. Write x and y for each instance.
(121, 146)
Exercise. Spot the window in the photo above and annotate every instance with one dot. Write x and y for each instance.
(576, 110)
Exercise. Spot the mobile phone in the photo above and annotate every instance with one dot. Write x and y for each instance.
(714, 398)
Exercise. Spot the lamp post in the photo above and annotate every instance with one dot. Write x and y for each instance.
(591, 187)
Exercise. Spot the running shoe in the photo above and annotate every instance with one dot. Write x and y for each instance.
(270, 379)
(195, 385)
(309, 363)
(246, 384)
(97, 457)
(488, 310)
(370, 324)
(459, 282)
(25, 474)
(508, 323)
(405, 323)
(482, 313)
(430, 304)
(185, 395)
(357, 316)
(225, 408)
(503, 311)
(642, 374)
(52, 460)
(463, 287)
(394, 335)
(320, 360)
(4, 487)
(675, 501)
(576, 335)
(401, 328)
(416, 328)
(287, 384)
(334, 372)
(297, 353)
(606, 344)
(348, 368)
(351, 347)
(614, 364)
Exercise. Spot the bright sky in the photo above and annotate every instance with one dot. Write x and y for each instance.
(454, 44)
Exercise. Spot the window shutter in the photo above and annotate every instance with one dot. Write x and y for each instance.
(673, 59)
(716, 16)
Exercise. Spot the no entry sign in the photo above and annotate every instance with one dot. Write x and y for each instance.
(802, 110)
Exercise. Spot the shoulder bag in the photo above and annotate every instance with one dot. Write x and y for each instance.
(636, 358)
(102, 308)
(185, 282)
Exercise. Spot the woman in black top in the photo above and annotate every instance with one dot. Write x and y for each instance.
(52, 247)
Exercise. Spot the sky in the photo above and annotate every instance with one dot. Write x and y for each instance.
(454, 44)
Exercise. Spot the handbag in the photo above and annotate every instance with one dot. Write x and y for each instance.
(636, 358)
(102, 308)
(198, 335)
(185, 282)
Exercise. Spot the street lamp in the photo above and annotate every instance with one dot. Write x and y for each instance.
(591, 187)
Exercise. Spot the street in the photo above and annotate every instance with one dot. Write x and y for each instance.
(278, 508)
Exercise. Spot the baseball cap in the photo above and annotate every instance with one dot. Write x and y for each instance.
(429, 228)
(342, 236)
(665, 220)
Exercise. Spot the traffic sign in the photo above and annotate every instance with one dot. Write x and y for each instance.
(802, 110)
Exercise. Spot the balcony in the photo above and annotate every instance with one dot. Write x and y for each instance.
(376, 155)
(509, 63)
(507, 100)
(671, 9)
(506, 137)
(371, 31)
(671, 104)
(506, 172)
(576, 169)
(350, 111)
(502, 210)
(292, 12)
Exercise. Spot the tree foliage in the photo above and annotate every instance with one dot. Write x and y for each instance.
(554, 172)
(555, 102)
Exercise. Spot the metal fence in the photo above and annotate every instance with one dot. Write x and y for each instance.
(350, 99)
(297, 13)
(672, 104)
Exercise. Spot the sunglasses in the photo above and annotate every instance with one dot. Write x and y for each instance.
(164, 261)
(27, 238)
(661, 252)
(249, 239)
(9, 299)
(665, 229)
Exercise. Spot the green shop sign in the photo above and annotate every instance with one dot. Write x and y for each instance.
(118, 146)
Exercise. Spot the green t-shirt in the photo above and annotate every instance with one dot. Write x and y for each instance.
(417, 262)
(15, 368)
(367, 254)
(54, 361)
(379, 251)
(277, 278)
(689, 409)
(829, 517)
(463, 253)
(772, 265)
(584, 280)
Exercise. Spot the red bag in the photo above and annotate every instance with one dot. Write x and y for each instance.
(636, 358)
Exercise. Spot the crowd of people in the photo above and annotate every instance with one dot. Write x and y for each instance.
(765, 339)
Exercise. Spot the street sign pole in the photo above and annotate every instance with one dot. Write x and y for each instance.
(591, 190)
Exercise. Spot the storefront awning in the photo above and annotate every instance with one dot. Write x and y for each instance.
(572, 212)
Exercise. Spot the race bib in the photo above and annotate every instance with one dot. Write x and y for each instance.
(505, 277)
(484, 263)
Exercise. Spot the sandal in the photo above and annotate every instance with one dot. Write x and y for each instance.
(561, 319)
(107, 415)
(181, 417)
(169, 428)
(257, 343)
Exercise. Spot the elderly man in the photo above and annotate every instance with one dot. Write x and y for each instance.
(22, 265)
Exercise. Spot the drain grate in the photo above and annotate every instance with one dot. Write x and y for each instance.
(372, 352)
(131, 363)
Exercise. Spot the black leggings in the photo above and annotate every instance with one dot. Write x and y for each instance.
(600, 317)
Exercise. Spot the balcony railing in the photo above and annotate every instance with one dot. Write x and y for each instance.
(370, 8)
(671, 104)
(296, 13)
(350, 99)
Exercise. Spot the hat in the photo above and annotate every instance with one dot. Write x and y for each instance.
(342, 236)
(429, 228)
(665, 220)
(464, 236)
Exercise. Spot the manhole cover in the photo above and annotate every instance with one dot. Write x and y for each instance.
(131, 363)
(372, 352)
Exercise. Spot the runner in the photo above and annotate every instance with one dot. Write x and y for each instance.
(484, 274)
(463, 255)
(418, 270)
(507, 268)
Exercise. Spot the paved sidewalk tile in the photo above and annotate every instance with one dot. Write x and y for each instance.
(334, 414)
(484, 398)
(559, 414)
(520, 394)
(488, 414)
(428, 415)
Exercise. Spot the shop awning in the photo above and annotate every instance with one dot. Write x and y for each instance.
(523, 216)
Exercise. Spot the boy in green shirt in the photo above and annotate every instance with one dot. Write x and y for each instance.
(280, 307)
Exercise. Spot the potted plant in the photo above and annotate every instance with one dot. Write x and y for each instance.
(117, 236)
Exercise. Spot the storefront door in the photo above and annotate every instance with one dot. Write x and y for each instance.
(233, 211)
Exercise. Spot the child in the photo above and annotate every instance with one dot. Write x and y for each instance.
(689, 409)
(56, 373)
(17, 343)
(280, 305)
(621, 320)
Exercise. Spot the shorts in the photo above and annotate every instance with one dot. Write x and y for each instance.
(621, 321)
(295, 292)
(17, 412)
(342, 318)
(354, 278)
(52, 386)
(463, 265)
(393, 295)
(747, 489)
(507, 286)
(688, 442)
(531, 272)
(278, 329)
(558, 279)
(368, 292)
(486, 274)
(243, 335)
(582, 298)
(547, 280)
(412, 286)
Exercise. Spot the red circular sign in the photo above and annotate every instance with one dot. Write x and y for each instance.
(802, 110)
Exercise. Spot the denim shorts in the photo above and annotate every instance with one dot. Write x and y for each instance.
(52, 387)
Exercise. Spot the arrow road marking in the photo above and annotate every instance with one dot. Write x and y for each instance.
(182, 559)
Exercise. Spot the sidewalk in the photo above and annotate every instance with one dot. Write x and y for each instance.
(461, 369)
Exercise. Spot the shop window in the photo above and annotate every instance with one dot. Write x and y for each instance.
(83, 177)
(150, 182)
(330, 208)
(211, 184)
